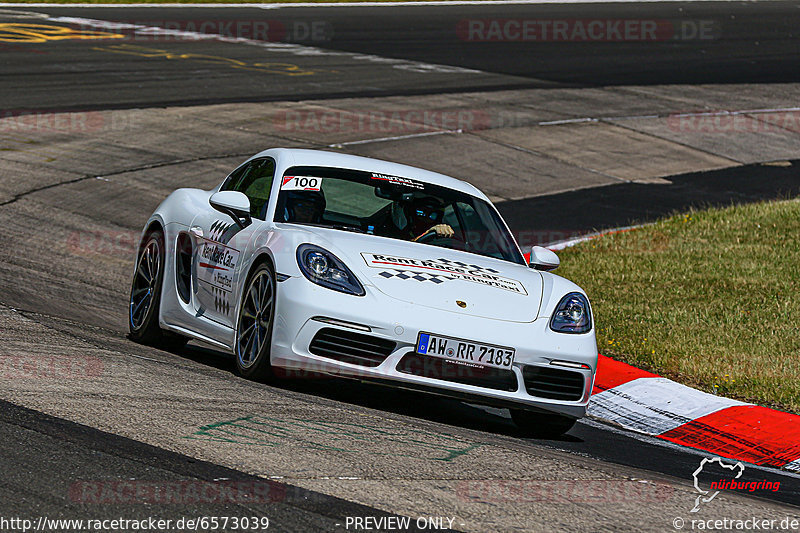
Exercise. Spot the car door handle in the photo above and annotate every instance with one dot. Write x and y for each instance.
(197, 231)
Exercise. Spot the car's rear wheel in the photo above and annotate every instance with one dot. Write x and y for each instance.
(254, 327)
(541, 425)
(145, 298)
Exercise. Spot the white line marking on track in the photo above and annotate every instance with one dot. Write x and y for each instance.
(720, 113)
(147, 359)
(739, 112)
(396, 138)
(567, 121)
(289, 48)
(14, 14)
(560, 245)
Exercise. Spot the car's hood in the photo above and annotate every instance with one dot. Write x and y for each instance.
(440, 278)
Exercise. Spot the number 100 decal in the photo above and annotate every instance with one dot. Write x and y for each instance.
(301, 183)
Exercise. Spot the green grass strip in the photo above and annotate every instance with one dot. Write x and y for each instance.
(708, 298)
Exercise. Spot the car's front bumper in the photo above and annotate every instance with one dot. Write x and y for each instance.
(299, 302)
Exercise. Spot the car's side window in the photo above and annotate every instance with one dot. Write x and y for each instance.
(255, 181)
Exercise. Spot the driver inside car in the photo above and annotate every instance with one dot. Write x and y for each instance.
(304, 206)
(420, 217)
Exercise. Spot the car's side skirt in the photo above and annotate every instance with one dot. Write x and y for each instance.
(197, 336)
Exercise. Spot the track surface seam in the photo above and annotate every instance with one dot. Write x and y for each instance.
(151, 166)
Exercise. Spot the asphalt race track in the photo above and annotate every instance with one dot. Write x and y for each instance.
(693, 43)
(566, 135)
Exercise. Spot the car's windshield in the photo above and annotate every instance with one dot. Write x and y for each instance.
(394, 207)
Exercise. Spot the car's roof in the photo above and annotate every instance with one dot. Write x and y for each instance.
(289, 157)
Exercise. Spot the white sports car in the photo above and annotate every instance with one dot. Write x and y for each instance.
(323, 263)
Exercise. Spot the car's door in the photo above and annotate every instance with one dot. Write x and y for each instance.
(220, 241)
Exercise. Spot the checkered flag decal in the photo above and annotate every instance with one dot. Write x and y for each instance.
(465, 265)
(221, 303)
(218, 229)
(418, 276)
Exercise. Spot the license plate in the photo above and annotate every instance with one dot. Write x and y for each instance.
(464, 351)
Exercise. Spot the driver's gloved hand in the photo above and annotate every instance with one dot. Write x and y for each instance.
(443, 230)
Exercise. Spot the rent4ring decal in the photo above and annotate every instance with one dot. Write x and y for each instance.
(216, 263)
(440, 270)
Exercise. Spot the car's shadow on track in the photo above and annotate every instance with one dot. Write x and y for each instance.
(416, 404)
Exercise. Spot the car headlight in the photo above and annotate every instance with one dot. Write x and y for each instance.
(572, 314)
(323, 268)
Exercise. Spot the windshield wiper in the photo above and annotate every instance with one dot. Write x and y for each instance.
(346, 227)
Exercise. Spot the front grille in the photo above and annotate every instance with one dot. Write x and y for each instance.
(553, 383)
(434, 367)
(350, 347)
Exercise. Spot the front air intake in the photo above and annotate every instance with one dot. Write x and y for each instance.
(553, 383)
(350, 347)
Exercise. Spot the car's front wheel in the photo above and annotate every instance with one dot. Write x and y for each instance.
(254, 327)
(145, 297)
(541, 425)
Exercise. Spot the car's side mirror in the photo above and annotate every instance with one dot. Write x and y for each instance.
(234, 204)
(543, 259)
